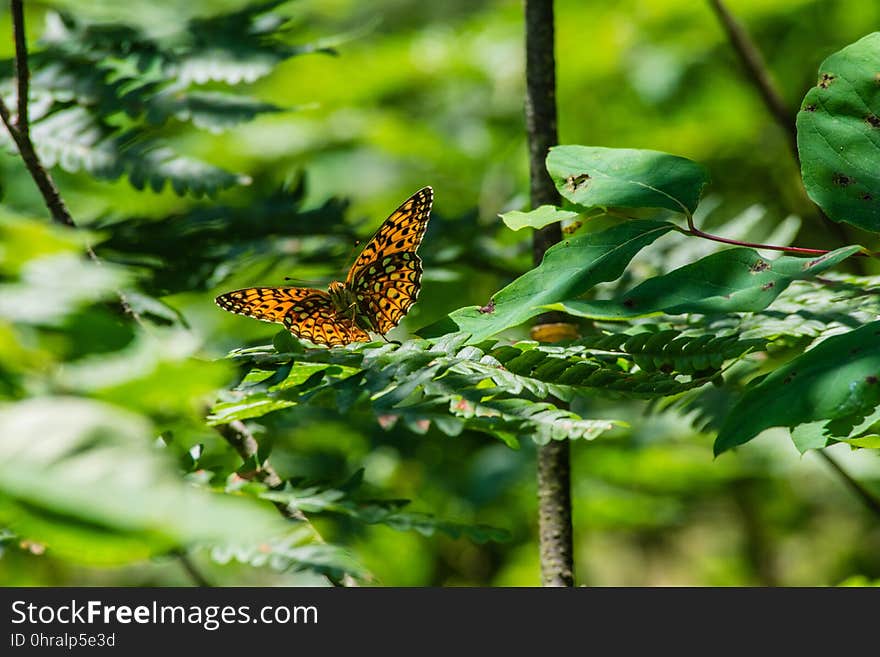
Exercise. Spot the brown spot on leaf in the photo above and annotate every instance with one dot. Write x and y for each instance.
(568, 230)
(873, 120)
(871, 379)
(826, 80)
(629, 303)
(789, 378)
(580, 181)
(767, 286)
(841, 179)
(810, 108)
(759, 266)
(867, 197)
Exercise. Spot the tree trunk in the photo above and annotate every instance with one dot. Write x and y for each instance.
(554, 483)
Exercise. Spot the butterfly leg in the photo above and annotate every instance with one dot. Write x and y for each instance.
(397, 342)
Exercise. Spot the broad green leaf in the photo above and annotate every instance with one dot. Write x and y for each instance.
(86, 479)
(158, 374)
(52, 287)
(569, 269)
(822, 433)
(537, 218)
(734, 280)
(870, 441)
(837, 381)
(838, 133)
(23, 239)
(592, 176)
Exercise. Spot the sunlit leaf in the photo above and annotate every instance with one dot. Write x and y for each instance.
(592, 176)
(568, 269)
(734, 280)
(112, 496)
(836, 382)
(838, 130)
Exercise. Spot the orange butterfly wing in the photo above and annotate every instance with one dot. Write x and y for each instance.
(305, 312)
(385, 279)
(386, 276)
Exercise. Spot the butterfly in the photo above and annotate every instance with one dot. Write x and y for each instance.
(381, 286)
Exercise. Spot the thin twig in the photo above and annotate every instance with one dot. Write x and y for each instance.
(19, 130)
(696, 232)
(869, 499)
(242, 440)
(759, 76)
(22, 71)
(191, 570)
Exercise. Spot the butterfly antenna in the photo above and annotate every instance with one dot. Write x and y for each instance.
(397, 342)
(351, 253)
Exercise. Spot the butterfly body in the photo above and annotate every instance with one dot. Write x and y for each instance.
(380, 288)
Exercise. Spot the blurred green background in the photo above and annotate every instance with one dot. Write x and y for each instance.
(432, 94)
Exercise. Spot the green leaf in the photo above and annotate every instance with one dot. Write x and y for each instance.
(569, 269)
(592, 176)
(537, 218)
(25, 239)
(84, 478)
(734, 280)
(76, 140)
(213, 111)
(444, 384)
(838, 134)
(315, 499)
(837, 382)
(301, 549)
(139, 376)
(52, 287)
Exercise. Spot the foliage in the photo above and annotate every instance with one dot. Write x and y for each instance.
(100, 94)
(672, 333)
(733, 280)
(603, 177)
(837, 135)
(833, 385)
(568, 269)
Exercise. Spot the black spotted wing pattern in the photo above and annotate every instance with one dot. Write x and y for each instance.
(388, 288)
(385, 280)
(401, 232)
(386, 277)
(305, 312)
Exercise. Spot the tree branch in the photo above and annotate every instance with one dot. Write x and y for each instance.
(22, 72)
(19, 130)
(191, 570)
(869, 499)
(554, 478)
(242, 440)
(759, 75)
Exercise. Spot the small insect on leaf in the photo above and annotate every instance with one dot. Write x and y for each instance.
(488, 308)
